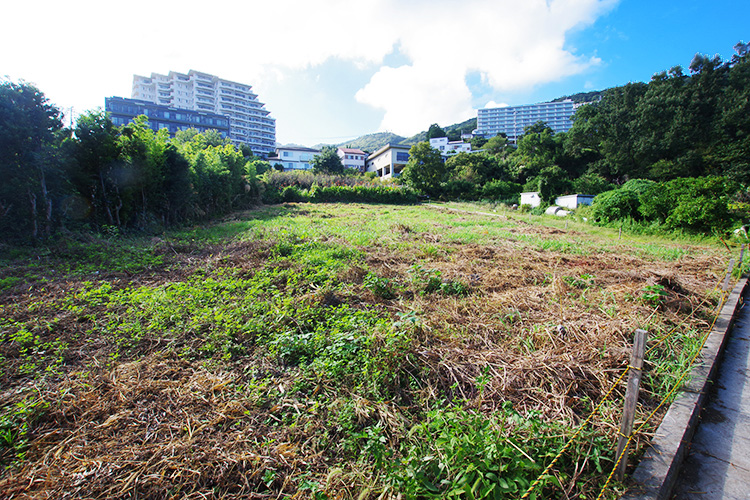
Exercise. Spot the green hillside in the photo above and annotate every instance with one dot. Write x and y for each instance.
(372, 142)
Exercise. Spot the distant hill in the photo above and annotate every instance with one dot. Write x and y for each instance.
(373, 142)
(454, 132)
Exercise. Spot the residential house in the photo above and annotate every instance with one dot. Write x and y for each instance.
(449, 148)
(294, 157)
(353, 158)
(388, 161)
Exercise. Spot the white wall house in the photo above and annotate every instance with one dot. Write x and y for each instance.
(388, 161)
(449, 148)
(573, 201)
(353, 158)
(531, 198)
(294, 157)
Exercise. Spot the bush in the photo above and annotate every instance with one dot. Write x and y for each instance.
(616, 205)
(506, 192)
(459, 189)
(696, 204)
(363, 194)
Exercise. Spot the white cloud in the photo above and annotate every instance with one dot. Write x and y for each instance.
(493, 104)
(80, 51)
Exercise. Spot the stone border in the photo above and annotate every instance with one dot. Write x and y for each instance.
(657, 471)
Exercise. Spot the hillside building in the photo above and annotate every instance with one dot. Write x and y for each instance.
(353, 158)
(512, 120)
(449, 148)
(388, 161)
(293, 157)
(122, 111)
(249, 122)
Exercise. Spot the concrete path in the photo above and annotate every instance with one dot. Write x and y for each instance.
(718, 462)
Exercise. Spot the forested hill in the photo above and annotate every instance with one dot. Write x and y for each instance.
(592, 96)
(373, 142)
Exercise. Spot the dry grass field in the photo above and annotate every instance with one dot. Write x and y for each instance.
(338, 351)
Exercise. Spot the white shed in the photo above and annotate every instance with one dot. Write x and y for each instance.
(573, 201)
(531, 198)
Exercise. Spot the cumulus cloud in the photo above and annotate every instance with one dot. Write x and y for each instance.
(92, 45)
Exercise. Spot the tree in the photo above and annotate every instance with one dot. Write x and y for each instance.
(537, 150)
(497, 145)
(435, 131)
(475, 168)
(425, 169)
(552, 181)
(478, 142)
(94, 153)
(29, 161)
(328, 161)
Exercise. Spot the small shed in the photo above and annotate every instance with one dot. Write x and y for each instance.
(573, 201)
(532, 198)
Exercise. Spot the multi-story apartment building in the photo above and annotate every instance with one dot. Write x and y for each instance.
(249, 121)
(122, 111)
(512, 120)
(353, 158)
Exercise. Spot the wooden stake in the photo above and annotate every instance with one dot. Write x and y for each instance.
(620, 235)
(631, 400)
(729, 275)
(742, 255)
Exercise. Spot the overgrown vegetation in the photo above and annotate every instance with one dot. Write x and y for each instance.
(335, 351)
(687, 135)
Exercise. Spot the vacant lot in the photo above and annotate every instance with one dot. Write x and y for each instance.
(337, 351)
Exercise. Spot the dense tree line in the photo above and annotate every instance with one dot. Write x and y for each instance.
(98, 175)
(673, 129)
(669, 132)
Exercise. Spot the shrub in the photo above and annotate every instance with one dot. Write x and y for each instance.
(460, 189)
(696, 204)
(615, 205)
(497, 190)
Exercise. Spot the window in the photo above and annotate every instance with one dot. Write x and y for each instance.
(402, 157)
(287, 153)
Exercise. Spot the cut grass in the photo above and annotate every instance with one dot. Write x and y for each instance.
(336, 351)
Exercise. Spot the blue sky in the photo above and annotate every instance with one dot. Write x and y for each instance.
(332, 70)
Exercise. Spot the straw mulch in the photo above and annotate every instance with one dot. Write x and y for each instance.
(164, 427)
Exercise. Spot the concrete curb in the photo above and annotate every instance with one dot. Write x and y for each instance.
(656, 473)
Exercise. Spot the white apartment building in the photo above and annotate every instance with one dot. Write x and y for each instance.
(249, 121)
(294, 158)
(353, 158)
(449, 148)
(512, 120)
(388, 161)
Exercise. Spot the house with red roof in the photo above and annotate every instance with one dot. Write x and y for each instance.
(353, 158)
